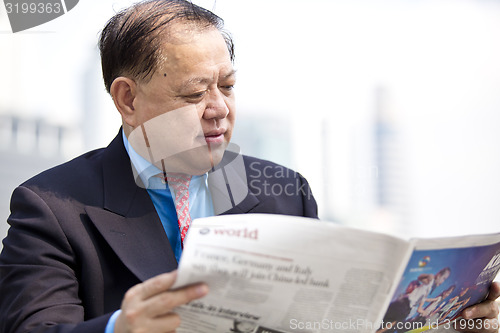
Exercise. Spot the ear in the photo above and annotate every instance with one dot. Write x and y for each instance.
(124, 90)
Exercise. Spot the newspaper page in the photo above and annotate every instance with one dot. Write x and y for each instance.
(443, 276)
(275, 273)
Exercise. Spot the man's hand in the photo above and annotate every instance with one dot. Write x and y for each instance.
(148, 306)
(482, 317)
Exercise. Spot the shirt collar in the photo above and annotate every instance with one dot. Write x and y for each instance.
(145, 169)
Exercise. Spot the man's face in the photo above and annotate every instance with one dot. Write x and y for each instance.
(192, 91)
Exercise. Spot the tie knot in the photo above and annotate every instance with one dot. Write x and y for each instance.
(178, 180)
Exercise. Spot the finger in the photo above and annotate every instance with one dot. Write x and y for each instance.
(163, 303)
(490, 325)
(476, 325)
(157, 284)
(494, 292)
(167, 323)
(148, 288)
(486, 309)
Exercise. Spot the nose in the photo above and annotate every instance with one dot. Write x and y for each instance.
(216, 107)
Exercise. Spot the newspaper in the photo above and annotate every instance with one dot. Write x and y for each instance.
(275, 273)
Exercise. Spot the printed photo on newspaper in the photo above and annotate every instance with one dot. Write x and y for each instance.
(275, 273)
(438, 283)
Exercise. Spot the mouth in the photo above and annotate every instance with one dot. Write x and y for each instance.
(215, 137)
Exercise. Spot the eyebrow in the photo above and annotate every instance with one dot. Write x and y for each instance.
(205, 80)
(228, 75)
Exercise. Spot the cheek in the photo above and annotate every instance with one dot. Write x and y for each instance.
(231, 106)
(200, 109)
(149, 111)
(230, 124)
(144, 115)
(231, 116)
(231, 103)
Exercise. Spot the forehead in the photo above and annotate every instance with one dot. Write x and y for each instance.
(189, 48)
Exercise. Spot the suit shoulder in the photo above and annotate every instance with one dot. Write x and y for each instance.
(79, 168)
(279, 189)
(268, 169)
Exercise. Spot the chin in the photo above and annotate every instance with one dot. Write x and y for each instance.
(217, 152)
(196, 161)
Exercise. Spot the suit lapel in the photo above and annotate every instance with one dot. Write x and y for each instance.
(129, 222)
(140, 242)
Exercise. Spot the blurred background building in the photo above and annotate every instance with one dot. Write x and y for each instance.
(390, 108)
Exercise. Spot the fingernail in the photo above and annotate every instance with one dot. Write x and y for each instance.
(201, 290)
(467, 314)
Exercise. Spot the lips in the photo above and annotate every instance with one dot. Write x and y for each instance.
(215, 137)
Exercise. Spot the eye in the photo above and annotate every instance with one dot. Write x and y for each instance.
(195, 96)
(227, 88)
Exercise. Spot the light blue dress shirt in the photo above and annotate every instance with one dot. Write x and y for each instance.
(200, 203)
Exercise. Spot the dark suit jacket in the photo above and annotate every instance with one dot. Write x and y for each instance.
(83, 233)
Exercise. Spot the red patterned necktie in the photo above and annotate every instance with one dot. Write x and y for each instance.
(180, 184)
